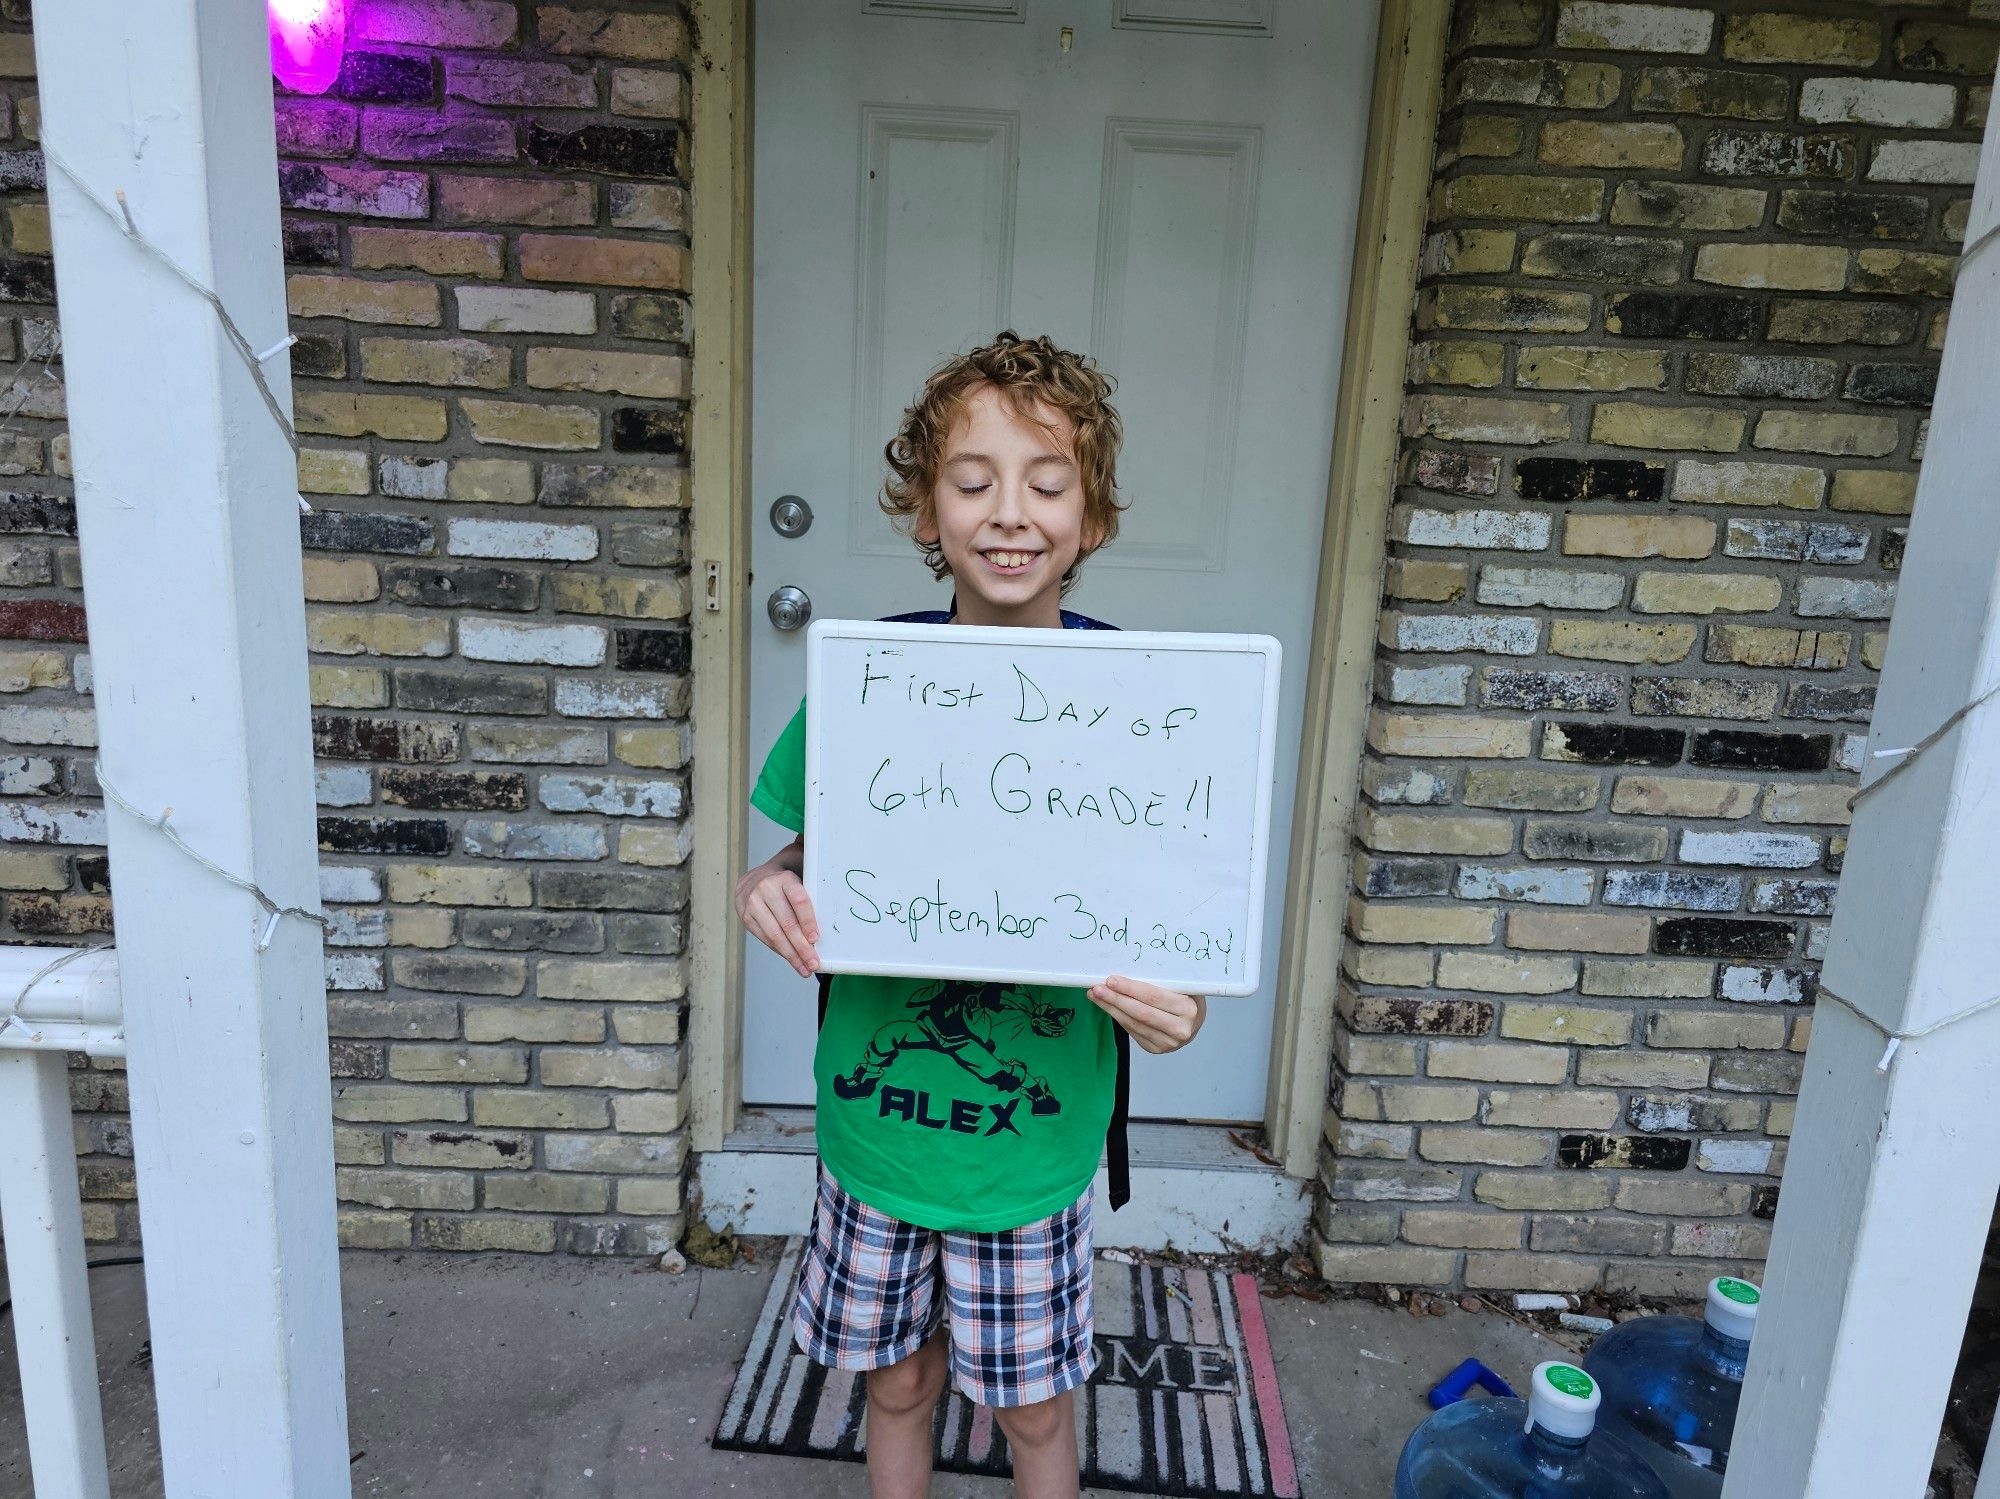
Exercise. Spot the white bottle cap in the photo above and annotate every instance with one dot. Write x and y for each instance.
(1732, 1307)
(1563, 1401)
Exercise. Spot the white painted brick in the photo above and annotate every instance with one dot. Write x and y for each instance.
(1924, 161)
(1736, 1156)
(1853, 750)
(1634, 28)
(1549, 588)
(1845, 598)
(1877, 101)
(517, 309)
(349, 927)
(534, 540)
(1763, 986)
(1816, 939)
(354, 970)
(545, 645)
(1467, 632)
(343, 786)
(345, 882)
(22, 822)
(618, 796)
(70, 726)
(1554, 886)
(1435, 685)
(82, 674)
(1503, 530)
(413, 478)
(1756, 850)
(588, 697)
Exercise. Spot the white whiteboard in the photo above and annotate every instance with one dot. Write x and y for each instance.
(1039, 806)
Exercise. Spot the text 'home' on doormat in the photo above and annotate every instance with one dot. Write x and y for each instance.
(1184, 1401)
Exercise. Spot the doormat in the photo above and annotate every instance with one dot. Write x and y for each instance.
(1184, 1401)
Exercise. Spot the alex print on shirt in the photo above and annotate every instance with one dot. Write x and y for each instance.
(968, 1023)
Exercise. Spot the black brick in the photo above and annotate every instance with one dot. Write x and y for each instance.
(1761, 377)
(470, 692)
(1629, 1152)
(456, 790)
(649, 936)
(1893, 541)
(321, 355)
(1665, 314)
(359, 1059)
(1621, 744)
(93, 872)
(529, 931)
(385, 835)
(1718, 937)
(612, 890)
(1564, 691)
(386, 78)
(611, 150)
(1764, 1201)
(361, 531)
(22, 172)
(1892, 384)
(649, 315)
(653, 650)
(311, 242)
(1392, 877)
(1849, 704)
(1852, 215)
(1397, 1015)
(461, 587)
(1777, 153)
(27, 281)
(418, 742)
(648, 429)
(1571, 481)
(39, 514)
(1744, 749)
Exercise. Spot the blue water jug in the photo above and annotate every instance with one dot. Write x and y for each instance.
(1671, 1385)
(1544, 1447)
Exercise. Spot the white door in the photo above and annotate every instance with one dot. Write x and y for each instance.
(1168, 185)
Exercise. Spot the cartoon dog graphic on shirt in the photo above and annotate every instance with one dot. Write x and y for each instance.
(959, 1020)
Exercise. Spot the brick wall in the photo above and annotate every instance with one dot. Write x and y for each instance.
(1682, 297)
(486, 235)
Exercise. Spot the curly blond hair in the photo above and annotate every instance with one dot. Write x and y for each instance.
(1029, 373)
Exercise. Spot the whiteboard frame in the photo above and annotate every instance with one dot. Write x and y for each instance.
(1156, 641)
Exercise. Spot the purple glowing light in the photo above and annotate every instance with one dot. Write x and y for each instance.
(307, 40)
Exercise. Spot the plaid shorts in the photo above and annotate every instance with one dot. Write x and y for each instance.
(1017, 1302)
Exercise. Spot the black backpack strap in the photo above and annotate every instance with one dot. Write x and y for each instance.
(825, 994)
(1117, 1147)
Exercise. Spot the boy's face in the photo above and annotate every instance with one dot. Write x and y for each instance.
(1008, 508)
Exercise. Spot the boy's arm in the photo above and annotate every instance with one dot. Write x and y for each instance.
(1160, 1020)
(772, 903)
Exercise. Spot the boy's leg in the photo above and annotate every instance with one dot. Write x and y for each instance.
(868, 1300)
(901, 1401)
(1018, 1303)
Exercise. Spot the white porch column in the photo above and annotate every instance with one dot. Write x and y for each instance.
(1890, 1185)
(187, 504)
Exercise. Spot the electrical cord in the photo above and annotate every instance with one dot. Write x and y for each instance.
(7, 1302)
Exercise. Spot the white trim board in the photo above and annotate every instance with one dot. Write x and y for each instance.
(1193, 1188)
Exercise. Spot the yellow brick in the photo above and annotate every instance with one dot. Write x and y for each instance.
(448, 885)
(1505, 973)
(1703, 429)
(1705, 593)
(436, 361)
(1566, 367)
(1579, 931)
(1375, 1056)
(652, 847)
(1874, 647)
(1489, 135)
(340, 413)
(1752, 645)
(1823, 41)
(17, 55)
(1875, 491)
(1661, 978)
(1458, 361)
(1427, 582)
(421, 927)
(1461, 1229)
(410, 303)
(341, 580)
(33, 869)
(1677, 796)
(348, 687)
(29, 225)
(1817, 803)
(1620, 640)
(628, 598)
(1685, 205)
(1830, 432)
(1574, 1025)
(1453, 736)
(1573, 1192)
(651, 748)
(332, 471)
(520, 424)
(1497, 1062)
(656, 376)
(1552, 1108)
(578, 30)
(491, 481)
(1683, 536)
(1392, 966)
(591, 261)
(1539, 200)
(1588, 143)
(342, 632)
(1472, 252)
(1397, 922)
(1786, 485)
(1421, 833)
(1786, 267)
(24, 671)
(1486, 419)
(438, 252)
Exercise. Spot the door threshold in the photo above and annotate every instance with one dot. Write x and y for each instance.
(1194, 1188)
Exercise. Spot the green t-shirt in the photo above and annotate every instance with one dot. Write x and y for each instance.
(951, 1105)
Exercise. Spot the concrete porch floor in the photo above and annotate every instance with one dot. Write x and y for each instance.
(520, 1377)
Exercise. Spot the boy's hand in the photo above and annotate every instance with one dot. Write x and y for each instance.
(1161, 1020)
(772, 903)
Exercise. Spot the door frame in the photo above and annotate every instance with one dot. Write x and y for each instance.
(1402, 130)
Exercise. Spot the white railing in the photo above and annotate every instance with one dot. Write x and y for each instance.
(52, 1004)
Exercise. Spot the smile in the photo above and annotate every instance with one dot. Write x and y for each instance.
(1011, 562)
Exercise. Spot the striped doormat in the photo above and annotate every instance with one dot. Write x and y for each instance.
(1184, 1401)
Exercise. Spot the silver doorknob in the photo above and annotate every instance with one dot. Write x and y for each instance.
(790, 515)
(789, 607)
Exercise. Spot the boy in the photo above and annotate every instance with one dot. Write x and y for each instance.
(1004, 473)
